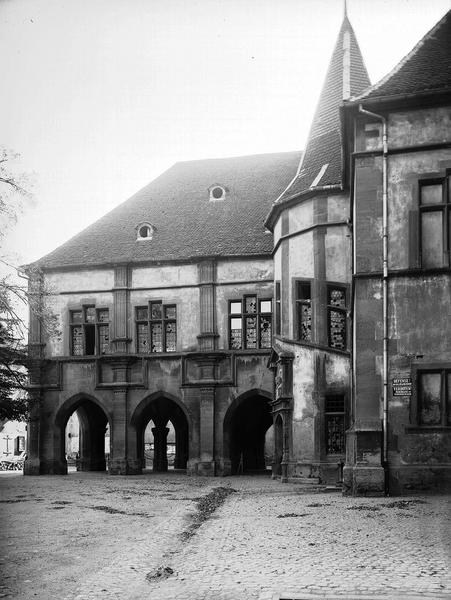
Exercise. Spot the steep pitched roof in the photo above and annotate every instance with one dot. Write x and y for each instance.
(186, 223)
(346, 76)
(427, 68)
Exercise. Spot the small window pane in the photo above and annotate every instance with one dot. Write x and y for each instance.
(90, 314)
(102, 316)
(304, 291)
(157, 337)
(143, 338)
(337, 329)
(432, 239)
(235, 333)
(156, 310)
(265, 306)
(305, 322)
(335, 434)
(104, 339)
(171, 330)
(77, 341)
(250, 305)
(431, 194)
(251, 332)
(429, 398)
(235, 308)
(76, 316)
(142, 313)
(265, 332)
(337, 297)
(169, 312)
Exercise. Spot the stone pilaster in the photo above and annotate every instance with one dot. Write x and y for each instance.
(207, 283)
(121, 301)
(206, 465)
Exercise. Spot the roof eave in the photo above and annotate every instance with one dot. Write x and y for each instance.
(276, 209)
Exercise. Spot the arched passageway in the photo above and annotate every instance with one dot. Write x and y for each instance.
(245, 427)
(83, 435)
(163, 415)
(278, 446)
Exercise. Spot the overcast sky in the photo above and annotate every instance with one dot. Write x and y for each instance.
(101, 96)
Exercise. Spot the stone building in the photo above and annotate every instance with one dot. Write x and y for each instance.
(312, 271)
(165, 312)
(398, 149)
(309, 293)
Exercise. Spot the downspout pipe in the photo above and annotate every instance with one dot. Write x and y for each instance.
(384, 287)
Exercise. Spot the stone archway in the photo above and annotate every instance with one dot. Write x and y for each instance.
(93, 422)
(161, 408)
(278, 446)
(245, 425)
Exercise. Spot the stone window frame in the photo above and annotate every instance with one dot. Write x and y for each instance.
(243, 315)
(213, 188)
(297, 303)
(97, 324)
(19, 445)
(444, 207)
(149, 230)
(164, 321)
(332, 411)
(444, 370)
(332, 308)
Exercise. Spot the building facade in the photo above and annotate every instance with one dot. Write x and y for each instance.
(287, 309)
(399, 149)
(165, 315)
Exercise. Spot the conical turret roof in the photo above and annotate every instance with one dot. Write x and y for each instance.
(346, 76)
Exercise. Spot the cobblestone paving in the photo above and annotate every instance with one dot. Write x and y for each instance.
(270, 541)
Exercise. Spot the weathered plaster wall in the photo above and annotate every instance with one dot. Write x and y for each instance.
(188, 319)
(244, 270)
(416, 127)
(163, 276)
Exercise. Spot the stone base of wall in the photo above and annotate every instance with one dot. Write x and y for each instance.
(123, 466)
(363, 480)
(206, 469)
(32, 466)
(404, 480)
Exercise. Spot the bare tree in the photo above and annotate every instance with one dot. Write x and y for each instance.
(14, 194)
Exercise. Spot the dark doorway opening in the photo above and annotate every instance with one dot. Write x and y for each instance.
(249, 423)
(86, 438)
(162, 436)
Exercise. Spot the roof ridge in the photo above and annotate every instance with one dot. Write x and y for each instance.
(427, 36)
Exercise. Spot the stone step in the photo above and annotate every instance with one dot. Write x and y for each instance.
(304, 480)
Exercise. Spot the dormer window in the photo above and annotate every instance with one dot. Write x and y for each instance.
(144, 231)
(217, 192)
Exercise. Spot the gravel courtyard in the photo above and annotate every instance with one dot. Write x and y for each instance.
(167, 537)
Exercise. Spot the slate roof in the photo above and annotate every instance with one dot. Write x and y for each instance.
(427, 68)
(346, 76)
(187, 224)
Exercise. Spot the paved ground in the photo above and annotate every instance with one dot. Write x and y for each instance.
(267, 541)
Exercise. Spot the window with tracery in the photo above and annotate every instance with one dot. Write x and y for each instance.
(336, 317)
(90, 331)
(335, 424)
(304, 310)
(156, 327)
(250, 323)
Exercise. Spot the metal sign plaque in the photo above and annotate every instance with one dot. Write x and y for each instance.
(402, 386)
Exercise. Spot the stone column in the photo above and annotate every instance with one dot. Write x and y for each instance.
(181, 458)
(118, 437)
(207, 465)
(208, 338)
(160, 448)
